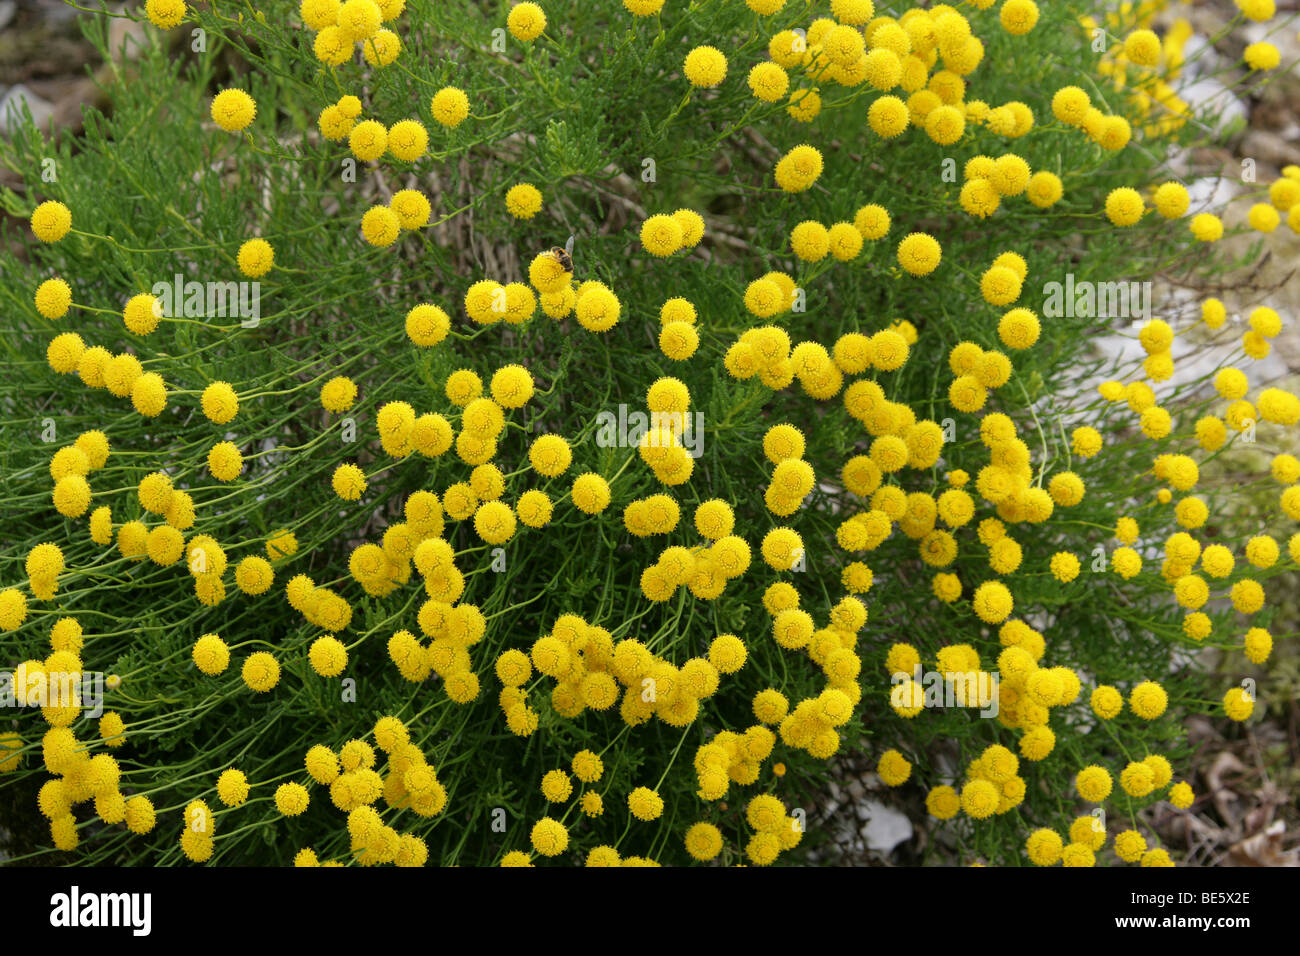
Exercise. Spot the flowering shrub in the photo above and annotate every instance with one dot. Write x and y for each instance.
(406, 531)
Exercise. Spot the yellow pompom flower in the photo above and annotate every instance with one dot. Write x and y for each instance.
(1018, 17)
(1124, 206)
(587, 766)
(165, 14)
(1142, 47)
(359, 19)
(1206, 227)
(449, 106)
(1019, 329)
(381, 49)
(523, 201)
(798, 169)
(1262, 56)
(590, 493)
(210, 654)
(661, 235)
(768, 81)
(224, 461)
(705, 67)
(1148, 700)
(1093, 784)
(887, 116)
(53, 298)
(64, 354)
(338, 394)
(1238, 705)
(556, 786)
(51, 221)
(893, 768)
(219, 402)
(703, 841)
(526, 22)
(380, 226)
(261, 672)
(1181, 795)
(645, 804)
(233, 110)
(291, 799)
(919, 253)
(678, 340)
(549, 837)
(328, 656)
(255, 258)
(232, 787)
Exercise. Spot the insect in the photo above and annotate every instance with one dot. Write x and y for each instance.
(565, 255)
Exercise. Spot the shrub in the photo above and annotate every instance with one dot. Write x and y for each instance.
(405, 534)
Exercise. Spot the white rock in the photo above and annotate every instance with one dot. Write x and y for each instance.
(1211, 193)
(1214, 104)
(886, 828)
(11, 109)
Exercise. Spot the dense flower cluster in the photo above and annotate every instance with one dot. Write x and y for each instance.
(725, 623)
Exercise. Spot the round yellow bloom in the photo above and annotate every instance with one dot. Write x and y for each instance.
(1018, 17)
(888, 115)
(768, 81)
(1148, 700)
(894, 768)
(255, 258)
(260, 672)
(645, 804)
(380, 226)
(1206, 227)
(225, 462)
(449, 106)
(349, 482)
(165, 14)
(1262, 56)
(1142, 47)
(526, 22)
(327, 656)
(359, 19)
(1044, 189)
(1238, 704)
(291, 799)
(661, 235)
(919, 253)
(53, 298)
(1124, 206)
(591, 493)
(1171, 200)
(1019, 329)
(523, 201)
(705, 66)
(233, 110)
(549, 837)
(798, 169)
(703, 841)
(1069, 104)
